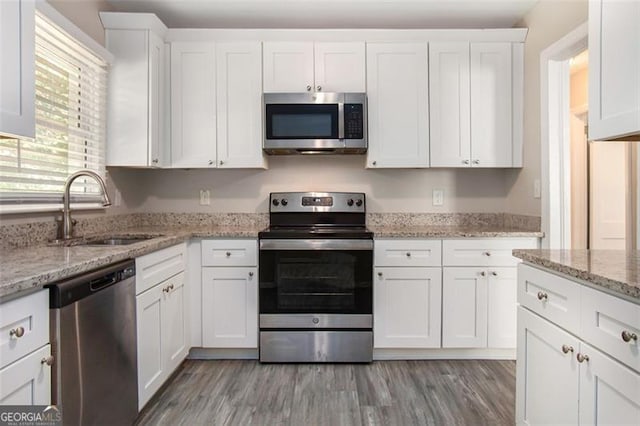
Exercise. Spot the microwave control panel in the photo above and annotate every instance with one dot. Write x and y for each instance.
(353, 121)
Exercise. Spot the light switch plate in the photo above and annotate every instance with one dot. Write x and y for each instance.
(438, 197)
(205, 197)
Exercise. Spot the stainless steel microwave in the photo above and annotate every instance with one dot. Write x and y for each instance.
(315, 123)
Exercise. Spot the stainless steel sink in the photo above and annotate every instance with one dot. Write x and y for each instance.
(103, 241)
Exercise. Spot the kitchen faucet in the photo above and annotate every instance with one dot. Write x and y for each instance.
(67, 223)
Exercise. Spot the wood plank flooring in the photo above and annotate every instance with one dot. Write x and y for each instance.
(382, 393)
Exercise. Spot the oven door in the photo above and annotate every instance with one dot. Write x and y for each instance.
(316, 276)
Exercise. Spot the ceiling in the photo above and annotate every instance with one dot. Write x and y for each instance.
(331, 13)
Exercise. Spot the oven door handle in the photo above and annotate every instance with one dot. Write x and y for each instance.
(316, 244)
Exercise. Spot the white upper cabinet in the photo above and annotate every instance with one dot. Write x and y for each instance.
(398, 98)
(193, 104)
(450, 104)
(308, 66)
(239, 104)
(472, 105)
(136, 114)
(17, 77)
(614, 69)
(491, 106)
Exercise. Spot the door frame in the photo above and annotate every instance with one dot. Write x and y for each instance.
(554, 137)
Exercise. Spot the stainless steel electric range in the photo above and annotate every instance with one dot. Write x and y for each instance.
(316, 279)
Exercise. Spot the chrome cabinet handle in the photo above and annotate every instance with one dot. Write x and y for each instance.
(582, 358)
(542, 296)
(221, 162)
(374, 163)
(170, 287)
(494, 273)
(17, 332)
(250, 274)
(228, 254)
(408, 254)
(628, 336)
(154, 161)
(210, 162)
(476, 161)
(308, 88)
(319, 88)
(465, 161)
(165, 289)
(47, 360)
(379, 274)
(487, 253)
(566, 349)
(483, 274)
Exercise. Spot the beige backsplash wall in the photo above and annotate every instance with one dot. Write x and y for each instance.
(388, 190)
(548, 21)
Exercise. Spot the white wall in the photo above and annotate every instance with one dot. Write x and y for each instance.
(548, 22)
(84, 13)
(248, 190)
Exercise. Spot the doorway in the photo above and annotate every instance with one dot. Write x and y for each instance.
(589, 197)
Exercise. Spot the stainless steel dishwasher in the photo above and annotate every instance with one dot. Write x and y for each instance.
(93, 341)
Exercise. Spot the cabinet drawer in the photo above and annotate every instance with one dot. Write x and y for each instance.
(407, 253)
(153, 268)
(230, 252)
(484, 252)
(27, 317)
(604, 320)
(555, 298)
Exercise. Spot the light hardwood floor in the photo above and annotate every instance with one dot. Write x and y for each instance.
(381, 393)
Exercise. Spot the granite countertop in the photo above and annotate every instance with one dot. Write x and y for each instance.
(444, 231)
(613, 271)
(30, 268)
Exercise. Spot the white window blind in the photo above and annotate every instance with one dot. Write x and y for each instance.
(70, 123)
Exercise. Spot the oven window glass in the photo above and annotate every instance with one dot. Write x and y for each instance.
(309, 281)
(301, 121)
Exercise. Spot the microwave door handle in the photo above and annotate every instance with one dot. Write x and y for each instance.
(341, 121)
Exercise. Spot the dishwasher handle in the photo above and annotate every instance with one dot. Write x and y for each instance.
(100, 283)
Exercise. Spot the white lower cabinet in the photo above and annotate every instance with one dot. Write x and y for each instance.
(406, 307)
(464, 308)
(502, 290)
(230, 307)
(562, 378)
(28, 380)
(161, 319)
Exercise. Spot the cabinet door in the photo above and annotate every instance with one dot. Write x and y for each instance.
(491, 105)
(230, 307)
(546, 376)
(27, 381)
(464, 308)
(450, 103)
(502, 293)
(609, 391)
(614, 67)
(407, 307)
(239, 99)
(288, 66)
(156, 101)
(174, 322)
(17, 79)
(193, 105)
(340, 67)
(398, 97)
(149, 314)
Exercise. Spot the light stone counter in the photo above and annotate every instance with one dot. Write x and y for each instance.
(613, 271)
(438, 231)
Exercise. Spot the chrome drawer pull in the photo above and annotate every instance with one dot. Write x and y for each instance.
(47, 360)
(17, 332)
(486, 253)
(627, 336)
(408, 254)
(228, 254)
(483, 273)
(250, 274)
(495, 274)
(582, 358)
(566, 349)
(380, 274)
(542, 296)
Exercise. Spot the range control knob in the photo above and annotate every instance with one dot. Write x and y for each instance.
(275, 202)
(284, 202)
(359, 203)
(350, 202)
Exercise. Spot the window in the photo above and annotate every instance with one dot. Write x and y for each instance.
(70, 113)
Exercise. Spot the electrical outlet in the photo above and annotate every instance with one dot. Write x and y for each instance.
(536, 188)
(205, 197)
(438, 197)
(117, 199)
